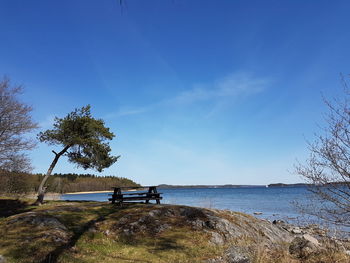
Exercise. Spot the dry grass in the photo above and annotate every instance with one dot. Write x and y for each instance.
(280, 254)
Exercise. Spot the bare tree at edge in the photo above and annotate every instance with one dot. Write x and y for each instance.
(328, 165)
(15, 122)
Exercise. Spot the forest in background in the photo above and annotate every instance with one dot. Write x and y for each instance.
(22, 183)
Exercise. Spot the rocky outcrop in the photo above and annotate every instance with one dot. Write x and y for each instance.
(233, 254)
(50, 227)
(238, 236)
(311, 239)
(222, 226)
(37, 219)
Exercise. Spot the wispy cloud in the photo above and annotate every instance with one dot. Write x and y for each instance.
(232, 86)
(126, 112)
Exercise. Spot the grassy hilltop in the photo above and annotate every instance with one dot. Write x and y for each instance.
(79, 232)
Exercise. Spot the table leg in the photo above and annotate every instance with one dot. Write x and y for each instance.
(117, 191)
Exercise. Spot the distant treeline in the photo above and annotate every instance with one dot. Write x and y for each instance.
(168, 186)
(288, 185)
(17, 183)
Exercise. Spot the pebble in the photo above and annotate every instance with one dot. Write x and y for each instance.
(296, 230)
(311, 239)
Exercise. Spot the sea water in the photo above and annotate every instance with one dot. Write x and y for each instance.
(268, 202)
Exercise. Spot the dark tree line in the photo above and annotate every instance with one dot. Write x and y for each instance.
(24, 183)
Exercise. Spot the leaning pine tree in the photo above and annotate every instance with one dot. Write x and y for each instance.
(83, 139)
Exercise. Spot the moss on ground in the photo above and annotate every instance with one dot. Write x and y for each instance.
(181, 245)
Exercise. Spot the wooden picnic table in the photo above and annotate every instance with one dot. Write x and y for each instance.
(130, 197)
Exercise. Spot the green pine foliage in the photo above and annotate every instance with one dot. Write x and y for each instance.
(84, 140)
(84, 137)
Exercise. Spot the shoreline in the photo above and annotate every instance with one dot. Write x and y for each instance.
(87, 192)
(48, 196)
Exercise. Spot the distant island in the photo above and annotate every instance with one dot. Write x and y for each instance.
(303, 184)
(288, 185)
(169, 186)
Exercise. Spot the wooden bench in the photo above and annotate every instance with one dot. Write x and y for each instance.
(120, 197)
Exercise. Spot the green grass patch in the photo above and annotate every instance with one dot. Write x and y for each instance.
(178, 245)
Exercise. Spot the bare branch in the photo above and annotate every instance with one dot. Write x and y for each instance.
(15, 121)
(328, 166)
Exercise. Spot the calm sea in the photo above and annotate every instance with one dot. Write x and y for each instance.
(272, 202)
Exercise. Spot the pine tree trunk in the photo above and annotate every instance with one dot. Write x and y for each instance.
(42, 188)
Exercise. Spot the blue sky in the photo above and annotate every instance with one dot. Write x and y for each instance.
(197, 92)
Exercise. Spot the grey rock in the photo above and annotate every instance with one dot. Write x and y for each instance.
(2, 259)
(124, 220)
(296, 230)
(241, 225)
(311, 239)
(234, 225)
(55, 231)
(38, 220)
(154, 213)
(150, 223)
(302, 247)
(215, 260)
(237, 255)
(217, 239)
(162, 227)
(223, 226)
(192, 213)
